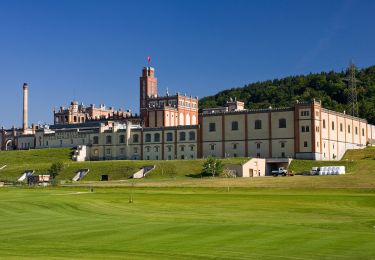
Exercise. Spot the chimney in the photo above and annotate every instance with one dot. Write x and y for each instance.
(25, 106)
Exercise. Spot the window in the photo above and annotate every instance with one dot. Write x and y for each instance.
(282, 123)
(307, 128)
(122, 151)
(108, 139)
(258, 124)
(234, 126)
(282, 145)
(333, 125)
(60, 142)
(182, 157)
(96, 152)
(234, 146)
(191, 135)
(258, 155)
(169, 137)
(303, 129)
(148, 138)
(182, 136)
(317, 129)
(212, 127)
(157, 137)
(148, 149)
(135, 150)
(95, 140)
(324, 123)
(191, 147)
(363, 132)
(182, 148)
(349, 129)
(169, 157)
(108, 151)
(305, 113)
(135, 138)
(156, 148)
(169, 148)
(305, 144)
(122, 139)
(258, 145)
(283, 154)
(212, 147)
(317, 144)
(356, 130)
(340, 127)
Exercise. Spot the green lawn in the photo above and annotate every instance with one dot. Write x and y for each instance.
(40, 160)
(178, 215)
(187, 223)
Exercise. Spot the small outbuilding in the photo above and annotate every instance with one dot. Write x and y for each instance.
(255, 167)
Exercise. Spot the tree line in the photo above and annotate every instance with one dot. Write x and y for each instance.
(330, 88)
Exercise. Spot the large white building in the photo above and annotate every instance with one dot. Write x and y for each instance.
(305, 131)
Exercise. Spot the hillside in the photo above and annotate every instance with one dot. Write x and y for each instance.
(40, 161)
(360, 165)
(329, 87)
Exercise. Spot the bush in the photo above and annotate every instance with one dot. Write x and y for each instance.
(212, 166)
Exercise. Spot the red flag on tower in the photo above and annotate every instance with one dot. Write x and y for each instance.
(149, 60)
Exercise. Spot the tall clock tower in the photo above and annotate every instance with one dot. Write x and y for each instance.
(148, 89)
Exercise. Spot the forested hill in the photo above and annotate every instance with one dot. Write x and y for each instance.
(329, 87)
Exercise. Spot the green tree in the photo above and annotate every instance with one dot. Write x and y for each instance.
(212, 166)
(329, 87)
(55, 169)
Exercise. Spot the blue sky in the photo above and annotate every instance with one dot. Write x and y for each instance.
(93, 51)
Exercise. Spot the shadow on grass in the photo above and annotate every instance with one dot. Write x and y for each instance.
(198, 175)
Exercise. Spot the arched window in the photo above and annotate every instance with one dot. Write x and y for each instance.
(193, 120)
(148, 138)
(157, 137)
(182, 136)
(135, 138)
(282, 123)
(234, 126)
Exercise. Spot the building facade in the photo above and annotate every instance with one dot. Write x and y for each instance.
(164, 111)
(77, 114)
(170, 128)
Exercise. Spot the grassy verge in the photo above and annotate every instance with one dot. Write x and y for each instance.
(186, 223)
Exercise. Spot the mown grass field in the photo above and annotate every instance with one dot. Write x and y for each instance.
(176, 216)
(187, 223)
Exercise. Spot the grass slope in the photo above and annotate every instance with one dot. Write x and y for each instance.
(187, 223)
(40, 160)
